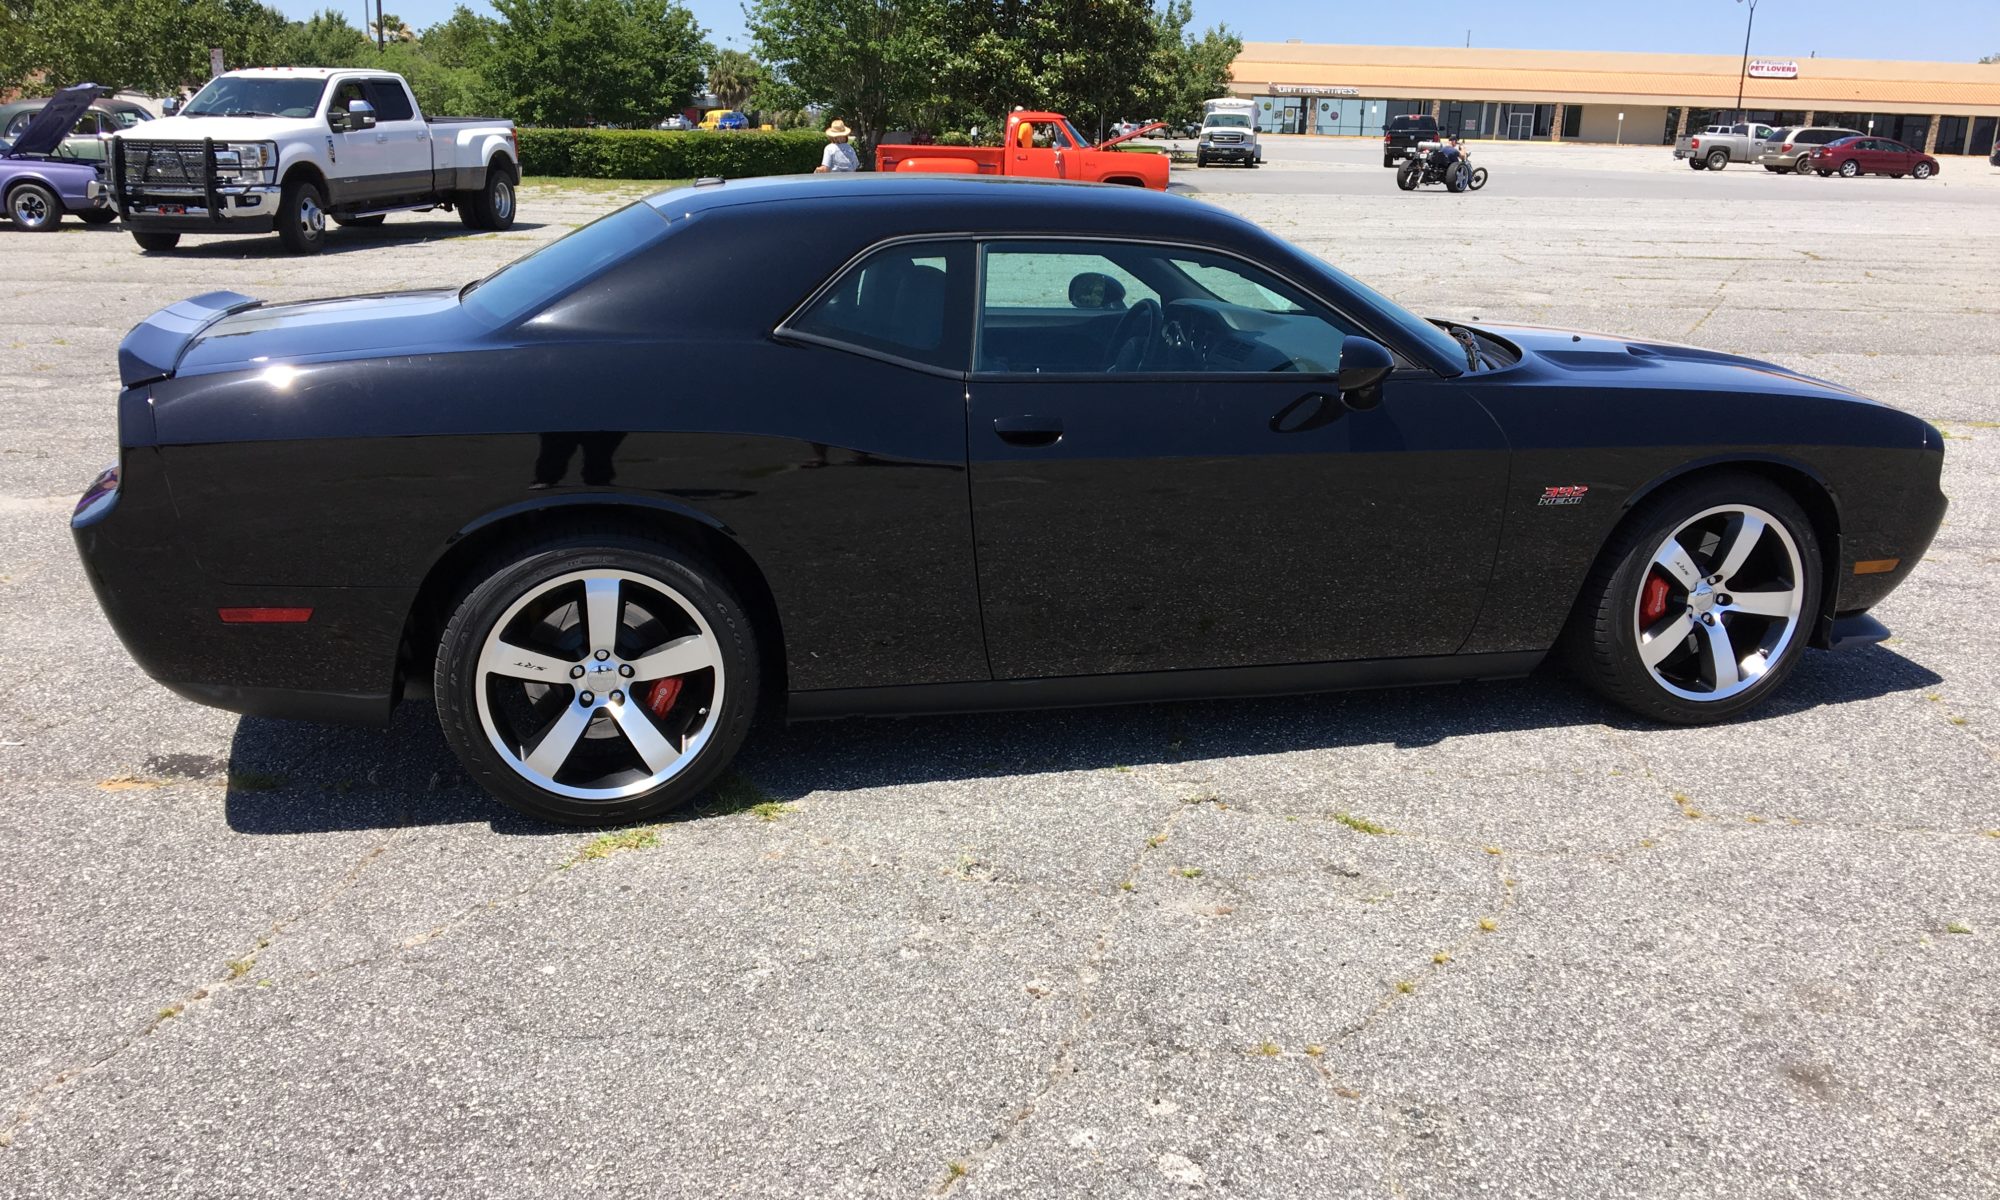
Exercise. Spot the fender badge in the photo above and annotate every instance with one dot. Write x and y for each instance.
(1570, 494)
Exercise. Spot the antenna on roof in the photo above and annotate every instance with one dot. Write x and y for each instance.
(1468, 39)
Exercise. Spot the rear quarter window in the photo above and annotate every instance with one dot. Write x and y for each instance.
(528, 285)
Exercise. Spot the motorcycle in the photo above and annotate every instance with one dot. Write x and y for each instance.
(1440, 162)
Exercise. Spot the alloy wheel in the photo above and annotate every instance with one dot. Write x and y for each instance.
(1720, 603)
(30, 210)
(599, 684)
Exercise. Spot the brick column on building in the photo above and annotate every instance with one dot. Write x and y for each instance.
(1556, 126)
(1965, 146)
(1437, 110)
(1812, 118)
(1681, 130)
(1930, 139)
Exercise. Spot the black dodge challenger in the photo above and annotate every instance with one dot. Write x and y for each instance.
(892, 444)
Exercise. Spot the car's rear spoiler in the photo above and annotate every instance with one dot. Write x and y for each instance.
(154, 347)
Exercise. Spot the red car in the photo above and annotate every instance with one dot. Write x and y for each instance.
(1851, 156)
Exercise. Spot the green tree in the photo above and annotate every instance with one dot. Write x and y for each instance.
(464, 39)
(871, 63)
(734, 77)
(566, 62)
(326, 40)
(153, 45)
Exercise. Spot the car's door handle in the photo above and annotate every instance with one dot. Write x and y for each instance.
(381, 137)
(1029, 430)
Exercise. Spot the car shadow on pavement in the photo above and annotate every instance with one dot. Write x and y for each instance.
(289, 777)
(338, 241)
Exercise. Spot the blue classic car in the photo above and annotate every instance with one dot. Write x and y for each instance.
(36, 189)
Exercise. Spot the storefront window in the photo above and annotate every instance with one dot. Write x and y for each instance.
(1573, 120)
(1982, 135)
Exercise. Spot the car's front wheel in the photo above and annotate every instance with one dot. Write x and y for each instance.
(1921, 170)
(1702, 603)
(302, 217)
(596, 679)
(1408, 174)
(155, 242)
(97, 216)
(34, 208)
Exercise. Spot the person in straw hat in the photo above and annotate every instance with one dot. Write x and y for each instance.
(838, 155)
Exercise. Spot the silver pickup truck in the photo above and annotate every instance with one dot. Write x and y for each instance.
(1719, 145)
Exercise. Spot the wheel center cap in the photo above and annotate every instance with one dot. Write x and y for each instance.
(600, 674)
(1702, 598)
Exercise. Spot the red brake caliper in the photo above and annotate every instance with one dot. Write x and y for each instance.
(1653, 599)
(661, 695)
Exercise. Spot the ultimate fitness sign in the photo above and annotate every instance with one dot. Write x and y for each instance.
(1770, 68)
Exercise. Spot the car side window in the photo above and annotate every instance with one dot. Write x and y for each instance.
(347, 93)
(906, 301)
(1089, 308)
(391, 102)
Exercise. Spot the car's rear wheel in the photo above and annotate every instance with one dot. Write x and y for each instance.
(1718, 159)
(1823, 174)
(1802, 166)
(1921, 170)
(596, 679)
(1702, 603)
(97, 216)
(1388, 160)
(34, 208)
(492, 206)
(1697, 164)
(1849, 169)
(302, 216)
(156, 241)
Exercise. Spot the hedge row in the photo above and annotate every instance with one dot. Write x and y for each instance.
(651, 154)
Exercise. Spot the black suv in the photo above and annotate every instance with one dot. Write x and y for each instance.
(1400, 137)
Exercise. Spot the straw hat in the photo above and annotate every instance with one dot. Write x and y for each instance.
(838, 129)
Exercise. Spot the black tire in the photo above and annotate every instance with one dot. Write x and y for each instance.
(302, 216)
(34, 208)
(97, 216)
(1478, 178)
(1921, 171)
(1823, 174)
(155, 243)
(1850, 169)
(1717, 159)
(1895, 174)
(1697, 164)
(492, 206)
(1802, 166)
(1407, 175)
(360, 222)
(1601, 643)
(520, 571)
(1388, 160)
(1200, 160)
(1773, 169)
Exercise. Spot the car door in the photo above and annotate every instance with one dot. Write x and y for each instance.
(1037, 150)
(1897, 158)
(359, 159)
(1164, 475)
(404, 138)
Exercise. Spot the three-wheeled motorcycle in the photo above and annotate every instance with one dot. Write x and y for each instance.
(1440, 162)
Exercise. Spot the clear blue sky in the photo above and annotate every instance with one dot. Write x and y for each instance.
(1944, 30)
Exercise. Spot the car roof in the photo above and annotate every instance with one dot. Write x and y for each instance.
(993, 199)
(303, 72)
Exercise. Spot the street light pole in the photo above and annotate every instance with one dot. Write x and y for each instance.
(1743, 72)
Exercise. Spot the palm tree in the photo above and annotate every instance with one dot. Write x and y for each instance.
(733, 76)
(393, 28)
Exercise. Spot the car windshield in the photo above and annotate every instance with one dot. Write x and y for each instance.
(1228, 121)
(254, 96)
(528, 284)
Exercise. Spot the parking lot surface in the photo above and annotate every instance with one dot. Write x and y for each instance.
(1493, 940)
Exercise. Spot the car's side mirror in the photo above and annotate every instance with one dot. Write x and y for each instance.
(1363, 366)
(1094, 289)
(170, 106)
(360, 115)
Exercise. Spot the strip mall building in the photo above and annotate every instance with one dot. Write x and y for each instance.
(1645, 99)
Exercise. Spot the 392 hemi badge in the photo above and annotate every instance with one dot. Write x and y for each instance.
(1568, 494)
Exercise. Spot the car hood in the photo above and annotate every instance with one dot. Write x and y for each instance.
(321, 330)
(56, 119)
(1662, 364)
(222, 129)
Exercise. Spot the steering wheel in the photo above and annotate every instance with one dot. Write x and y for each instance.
(1132, 340)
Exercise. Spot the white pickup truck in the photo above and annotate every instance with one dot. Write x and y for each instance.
(284, 148)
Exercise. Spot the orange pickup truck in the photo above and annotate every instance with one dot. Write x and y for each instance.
(1041, 145)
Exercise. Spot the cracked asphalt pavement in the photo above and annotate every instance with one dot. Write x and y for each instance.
(1492, 940)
